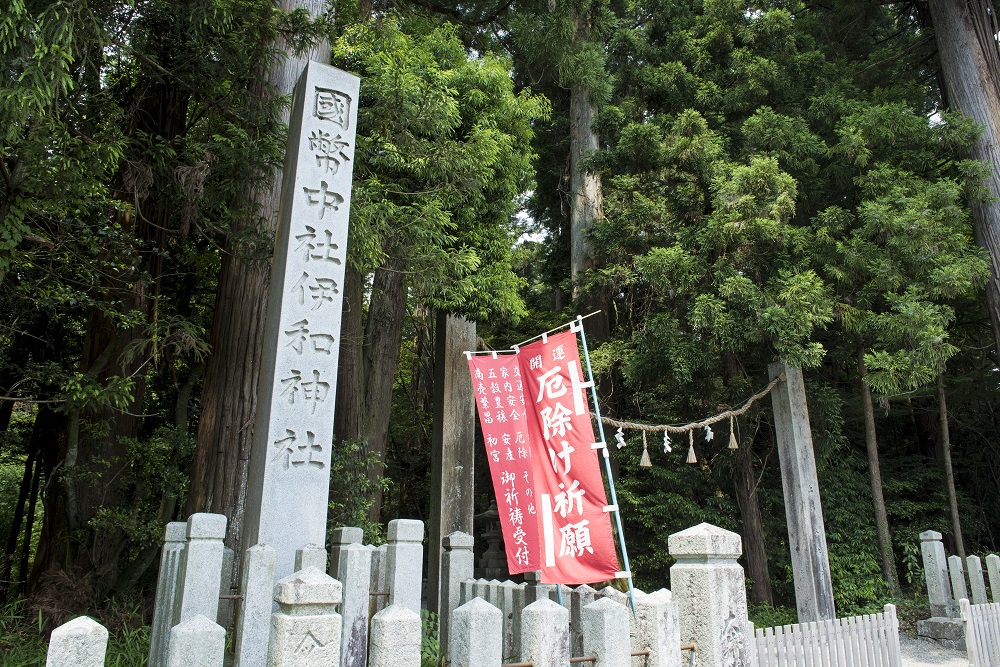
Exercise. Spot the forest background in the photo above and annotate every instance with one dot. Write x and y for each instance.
(731, 182)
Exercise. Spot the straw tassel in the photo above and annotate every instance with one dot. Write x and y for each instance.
(691, 456)
(644, 462)
(732, 435)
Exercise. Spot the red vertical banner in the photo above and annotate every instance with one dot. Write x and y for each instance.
(577, 543)
(500, 399)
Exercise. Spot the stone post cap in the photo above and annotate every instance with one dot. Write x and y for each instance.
(533, 576)
(613, 594)
(974, 559)
(206, 526)
(662, 596)
(478, 607)
(605, 605)
(308, 586)
(406, 530)
(930, 536)
(175, 531)
(198, 625)
(955, 561)
(705, 540)
(396, 613)
(81, 626)
(545, 607)
(348, 535)
(992, 558)
(263, 548)
(458, 540)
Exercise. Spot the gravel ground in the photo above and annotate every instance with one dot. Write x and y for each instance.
(923, 653)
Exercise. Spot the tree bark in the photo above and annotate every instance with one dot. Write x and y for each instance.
(949, 474)
(10, 551)
(586, 194)
(875, 474)
(745, 480)
(974, 90)
(229, 397)
(350, 371)
(29, 527)
(383, 335)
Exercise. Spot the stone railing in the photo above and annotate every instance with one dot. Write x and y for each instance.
(312, 618)
(949, 580)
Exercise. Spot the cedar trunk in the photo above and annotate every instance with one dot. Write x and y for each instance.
(974, 89)
(755, 548)
(875, 473)
(383, 335)
(229, 397)
(949, 474)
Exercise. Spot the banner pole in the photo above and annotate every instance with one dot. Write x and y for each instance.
(607, 460)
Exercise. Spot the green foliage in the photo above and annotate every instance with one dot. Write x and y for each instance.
(24, 637)
(764, 615)
(443, 153)
(351, 490)
(158, 468)
(430, 648)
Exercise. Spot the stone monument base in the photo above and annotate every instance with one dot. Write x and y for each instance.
(948, 632)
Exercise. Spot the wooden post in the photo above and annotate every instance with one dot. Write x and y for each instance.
(803, 507)
(452, 444)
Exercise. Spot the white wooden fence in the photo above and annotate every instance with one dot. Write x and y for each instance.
(982, 633)
(858, 641)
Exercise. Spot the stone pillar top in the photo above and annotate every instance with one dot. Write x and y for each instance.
(176, 531)
(79, 627)
(348, 535)
(206, 526)
(930, 536)
(705, 540)
(458, 540)
(307, 587)
(546, 605)
(406, 530)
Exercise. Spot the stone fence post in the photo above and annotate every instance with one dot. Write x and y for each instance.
(305, 631)
(977, 583)
(710, 589)
(197, 642)
(404, 570)
(395, 638)
(81, 642)
(457, 563)
(201, 574)
(476, 635)
(606, 633)
(254, 621)
(993, 569)
(351, 565)
(579, 598)
(171, 560)
(658, 629)
(956, 570)
(545, 634)
(311, 555)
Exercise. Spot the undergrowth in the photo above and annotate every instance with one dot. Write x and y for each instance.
(24, 636)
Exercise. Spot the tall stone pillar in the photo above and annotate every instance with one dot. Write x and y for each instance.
(803, 508)
(453, 442)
